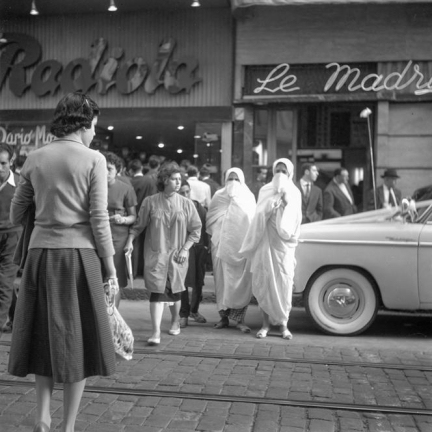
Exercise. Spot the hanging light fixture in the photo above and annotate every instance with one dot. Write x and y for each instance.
(112, 6)
(195, 3)
(33, 10)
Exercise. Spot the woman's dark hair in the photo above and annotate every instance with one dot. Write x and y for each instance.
(165, 172)
(73, 112)
(113, 159)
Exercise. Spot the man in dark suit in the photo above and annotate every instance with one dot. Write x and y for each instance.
(205, 177)
(387, 195)
(312, 201)
(338, 197)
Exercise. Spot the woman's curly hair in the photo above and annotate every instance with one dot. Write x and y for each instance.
(73, 112)
(165, 172)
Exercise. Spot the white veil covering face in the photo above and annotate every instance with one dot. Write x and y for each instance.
(230, 213)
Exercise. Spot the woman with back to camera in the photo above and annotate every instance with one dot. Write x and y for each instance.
(173, 226)
(61, 331)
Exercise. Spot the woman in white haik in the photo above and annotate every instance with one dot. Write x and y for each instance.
(270, 244)
(230, 213)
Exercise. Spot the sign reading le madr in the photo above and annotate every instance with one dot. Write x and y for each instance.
(334, 78)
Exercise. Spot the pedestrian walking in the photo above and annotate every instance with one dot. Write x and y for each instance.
(270, 244)
(173, 226)
(61, 331)
(9, 234)
(230, 213)
(197, 265)
(122, 203)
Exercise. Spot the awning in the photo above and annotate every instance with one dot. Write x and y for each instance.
(245, 3)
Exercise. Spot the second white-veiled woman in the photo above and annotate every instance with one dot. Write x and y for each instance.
(229, 216)
(270, 244)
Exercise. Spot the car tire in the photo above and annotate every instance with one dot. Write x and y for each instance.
(341, 301)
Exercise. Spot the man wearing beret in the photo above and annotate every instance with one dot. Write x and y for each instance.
(387, 195)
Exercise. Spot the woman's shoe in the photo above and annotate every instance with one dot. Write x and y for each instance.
(286, 334)
(153, 341)
(243, 328)
(41, 427)
(262, 333)
(224, 322)
(174, 332)
(198, 317)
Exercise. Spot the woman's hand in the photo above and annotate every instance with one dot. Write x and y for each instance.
(117, 219)
(128, 247)
(181, 257)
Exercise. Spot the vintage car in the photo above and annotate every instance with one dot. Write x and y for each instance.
(349, 267)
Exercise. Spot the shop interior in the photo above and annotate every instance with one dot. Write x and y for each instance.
(331, 135)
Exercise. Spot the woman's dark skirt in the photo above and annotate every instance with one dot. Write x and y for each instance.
(61, 325)
(167, 296)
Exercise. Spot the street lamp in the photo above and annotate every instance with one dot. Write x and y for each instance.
(112, 6)
(33, 10)
(365, 114)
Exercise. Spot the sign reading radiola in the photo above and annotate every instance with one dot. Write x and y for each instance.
(19, 52)
(334, 78)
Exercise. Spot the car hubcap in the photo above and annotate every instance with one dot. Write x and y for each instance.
(341, 301)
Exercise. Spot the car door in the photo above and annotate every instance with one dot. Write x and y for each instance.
(425, 265)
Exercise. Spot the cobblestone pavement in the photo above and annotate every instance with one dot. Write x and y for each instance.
(236, 377)
(229, 382)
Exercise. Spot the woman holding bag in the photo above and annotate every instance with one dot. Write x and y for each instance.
(61, 332)
(173, 226)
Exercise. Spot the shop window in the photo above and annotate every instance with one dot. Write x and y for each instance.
(340, 129)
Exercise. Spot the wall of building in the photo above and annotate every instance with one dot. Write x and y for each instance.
(390, 35)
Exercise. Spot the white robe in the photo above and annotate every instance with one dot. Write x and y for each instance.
(270, 244)
(228, 220)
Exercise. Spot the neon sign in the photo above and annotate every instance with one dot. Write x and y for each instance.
(289, 79)
(19, 52)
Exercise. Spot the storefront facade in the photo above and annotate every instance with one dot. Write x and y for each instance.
(304, 75)
(153, 72)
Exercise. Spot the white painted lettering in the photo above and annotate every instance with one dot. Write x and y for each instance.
(277, 73)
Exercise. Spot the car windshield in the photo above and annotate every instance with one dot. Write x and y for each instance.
(412, 212)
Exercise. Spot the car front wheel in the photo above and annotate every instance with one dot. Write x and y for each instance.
(342, 302)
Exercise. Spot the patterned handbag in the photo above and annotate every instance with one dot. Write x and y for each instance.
(121, 333)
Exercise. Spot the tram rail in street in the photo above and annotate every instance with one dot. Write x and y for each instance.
(124, 391)
(222, 356)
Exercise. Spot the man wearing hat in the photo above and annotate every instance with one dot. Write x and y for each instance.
(386, 195)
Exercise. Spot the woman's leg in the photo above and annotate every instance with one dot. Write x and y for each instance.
(44, 389)
(175, 317)
(184, 308)
(71, 401)
(285, 333)
(117, 298)
(156, 312)
(262, 333)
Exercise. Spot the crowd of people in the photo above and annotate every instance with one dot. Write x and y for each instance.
(73, 214)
